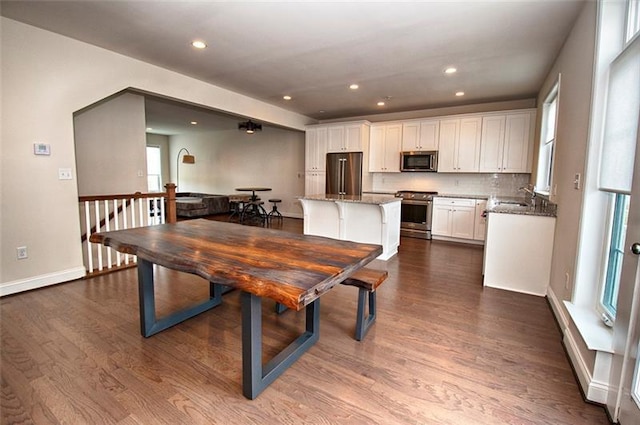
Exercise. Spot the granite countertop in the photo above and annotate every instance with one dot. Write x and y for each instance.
(363, 199)
(521, 206)
(457, 195)
(511, 204)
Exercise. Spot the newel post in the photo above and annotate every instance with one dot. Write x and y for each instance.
(171, 203)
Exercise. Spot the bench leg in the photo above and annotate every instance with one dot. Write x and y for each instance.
(364, 322)
(256, 377)
(149, 324)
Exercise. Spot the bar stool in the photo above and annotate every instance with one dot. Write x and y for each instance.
(236, 205)
(274, 211)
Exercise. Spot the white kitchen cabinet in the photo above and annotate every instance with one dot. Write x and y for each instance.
(507, 143)
(453, 217)
(314, 183)
(350, 137)
(459, 145)
(480, 226)
(315, 149)
(420, 135)
(518, 250)
(384, 148)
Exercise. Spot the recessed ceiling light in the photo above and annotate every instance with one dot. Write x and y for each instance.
(450, 70)
(286, 97)
(194, 122)
(321, 111)
(381, 103)
(354, 86)
(199, 44)
(459, 93)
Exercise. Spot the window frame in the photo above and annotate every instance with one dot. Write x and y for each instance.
(547, 148)
(610, 282)
(632, 23)
(151, 175)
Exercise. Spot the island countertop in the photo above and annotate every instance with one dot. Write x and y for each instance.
(361, 199)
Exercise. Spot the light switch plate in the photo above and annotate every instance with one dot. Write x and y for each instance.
(64, 174)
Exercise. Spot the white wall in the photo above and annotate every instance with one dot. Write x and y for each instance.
(46, 78)
(229, 159)
(575, 63)
(110, 147)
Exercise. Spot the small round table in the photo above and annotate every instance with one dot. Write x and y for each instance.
(253, 208)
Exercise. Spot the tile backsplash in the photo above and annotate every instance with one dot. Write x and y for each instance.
(465, 184)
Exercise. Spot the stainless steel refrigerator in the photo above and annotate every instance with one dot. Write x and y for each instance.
(344, 173)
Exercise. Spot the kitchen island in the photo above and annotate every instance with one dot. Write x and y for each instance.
(367, 218)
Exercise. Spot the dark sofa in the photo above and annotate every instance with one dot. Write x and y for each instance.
(193, 204)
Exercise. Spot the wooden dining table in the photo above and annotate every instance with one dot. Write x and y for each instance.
(292, 269)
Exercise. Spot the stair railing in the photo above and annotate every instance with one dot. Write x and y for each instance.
(103, 213)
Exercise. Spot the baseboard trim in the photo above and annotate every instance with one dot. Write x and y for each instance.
(592, 390)
(21, 285)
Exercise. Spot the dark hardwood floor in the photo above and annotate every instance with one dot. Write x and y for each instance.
(444, 350)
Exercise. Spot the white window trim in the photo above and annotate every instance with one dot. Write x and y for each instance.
(554, 92)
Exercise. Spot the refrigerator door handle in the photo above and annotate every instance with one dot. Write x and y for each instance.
(343, 163)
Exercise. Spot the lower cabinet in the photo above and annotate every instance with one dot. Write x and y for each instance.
(314, 183)
(454, 218)
(480, 227)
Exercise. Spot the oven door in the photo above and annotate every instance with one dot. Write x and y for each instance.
(414, 215)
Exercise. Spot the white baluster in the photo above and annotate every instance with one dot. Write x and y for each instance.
(162, 217)
(87, 221)
(107, 228)
(124, 225)
(116, 221)
(97, 205)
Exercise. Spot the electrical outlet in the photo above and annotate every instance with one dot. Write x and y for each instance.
(577, 183)
(567, 278)
(21, 252)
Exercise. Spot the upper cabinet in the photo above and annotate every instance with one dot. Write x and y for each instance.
(420, 135)
(315, 149)
(350, 137)
(459, 145)
(507, 143)
(384, 148)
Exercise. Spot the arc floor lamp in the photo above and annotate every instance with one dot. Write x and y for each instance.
(186, 159)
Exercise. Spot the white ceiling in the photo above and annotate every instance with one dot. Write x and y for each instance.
(312, 51)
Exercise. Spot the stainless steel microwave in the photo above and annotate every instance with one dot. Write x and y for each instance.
(419, 161)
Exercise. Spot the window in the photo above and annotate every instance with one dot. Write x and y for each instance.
(547, 140)
(154, 169)
(616, 253)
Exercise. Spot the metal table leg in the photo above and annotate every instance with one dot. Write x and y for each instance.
(149, 324)
(255, 376)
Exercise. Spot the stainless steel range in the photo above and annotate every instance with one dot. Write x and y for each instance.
(416, 211)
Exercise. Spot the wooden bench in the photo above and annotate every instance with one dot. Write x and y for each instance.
(367, 281)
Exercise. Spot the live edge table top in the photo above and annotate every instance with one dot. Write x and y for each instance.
(289, 268)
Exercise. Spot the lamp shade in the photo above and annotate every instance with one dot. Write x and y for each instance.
(188, 159)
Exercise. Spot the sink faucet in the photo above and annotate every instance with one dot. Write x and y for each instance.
(529, 190)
